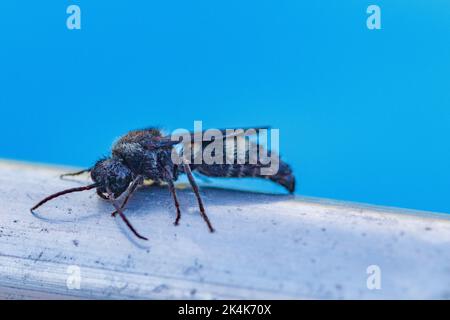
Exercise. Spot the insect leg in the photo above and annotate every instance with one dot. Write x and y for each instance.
(131, 189)
(124, 218)
(194, 186)
(175, 200)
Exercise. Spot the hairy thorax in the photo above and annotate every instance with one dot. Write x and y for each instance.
(154, 164)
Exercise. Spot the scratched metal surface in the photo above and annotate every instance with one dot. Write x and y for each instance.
(265, 246)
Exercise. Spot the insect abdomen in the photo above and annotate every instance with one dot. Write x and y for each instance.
(284, 175)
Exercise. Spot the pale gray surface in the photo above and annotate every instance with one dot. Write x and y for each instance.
(265, 246)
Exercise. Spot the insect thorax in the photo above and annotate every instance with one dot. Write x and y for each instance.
(153, 164)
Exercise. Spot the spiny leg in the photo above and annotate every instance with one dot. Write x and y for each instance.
(131, 189)
(71, 174)
(124, 218)
(175, 200)
(194, 186)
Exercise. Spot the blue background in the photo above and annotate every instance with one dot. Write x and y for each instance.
(364, 115)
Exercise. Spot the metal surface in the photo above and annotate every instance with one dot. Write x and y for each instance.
(266, 246)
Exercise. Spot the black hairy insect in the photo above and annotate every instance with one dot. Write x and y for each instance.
(146, 155)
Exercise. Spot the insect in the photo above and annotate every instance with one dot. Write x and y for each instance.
(146, 155)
